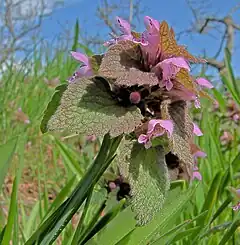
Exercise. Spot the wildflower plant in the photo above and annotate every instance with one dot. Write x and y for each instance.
(141, 87)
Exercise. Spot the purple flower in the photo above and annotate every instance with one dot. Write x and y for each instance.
(125, 29)
(204, 82)
(197, 153)
(196, 130)
(85, 70)
(236, 117)
(156, 128)
(170, 67)
(151, 24)
(196, 174)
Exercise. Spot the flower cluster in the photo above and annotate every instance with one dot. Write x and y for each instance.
(153, 69)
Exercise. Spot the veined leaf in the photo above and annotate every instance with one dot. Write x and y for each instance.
(86, 107)
(147, 173)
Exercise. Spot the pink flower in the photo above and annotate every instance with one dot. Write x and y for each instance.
(170, 67)
(196, 174)
(85, 70)
(196, 130)
(204, 82)
(21, 116)
(125, 29)
(91, 138)
(236, 117)
(197, 153)
(226, 138)
(236, 207)
(156, 128)
(151, 24)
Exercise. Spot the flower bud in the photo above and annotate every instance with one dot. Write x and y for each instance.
(135, 97)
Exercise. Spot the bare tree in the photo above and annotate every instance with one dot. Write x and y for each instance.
(206, 23)
(107, 10)
(19, 22)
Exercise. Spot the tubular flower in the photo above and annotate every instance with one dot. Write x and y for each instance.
(156, 128)
(125, 29)
(196, 173)
(85, 70)
(196, 130)
(161, 55)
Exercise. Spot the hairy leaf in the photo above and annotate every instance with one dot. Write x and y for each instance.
(52, 106)
(122, 62)
(147, 173)
(87, 107)
(182, 133)
(137, 77)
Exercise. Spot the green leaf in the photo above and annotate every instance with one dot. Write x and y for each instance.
(171, 210)
(2, 234)
(221, 208)
(177, 233)
(230, 232)
(49, 230)
(115, 230)
(229, 79)
(87, 107)
(220, 99)
(69, 160)
(76, 34)
(147, 173)
(211, 198)
(11, 215)
(6, 152)
(52, 106)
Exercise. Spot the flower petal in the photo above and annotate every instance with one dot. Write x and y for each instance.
(196, 175)
(178, 62)
(152, 124)
(201, 154)
(196, 130)
(123, 25)
(169, 85)
(151, 24)
(80, 57)
(204, 82)
(197, 103)
(168, 125)
(142, 139)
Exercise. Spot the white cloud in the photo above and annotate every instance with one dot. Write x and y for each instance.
(22, 9)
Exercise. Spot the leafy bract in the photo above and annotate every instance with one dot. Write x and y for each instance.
(182, 133)
(122, 62)
(87, 107)
(147, 173)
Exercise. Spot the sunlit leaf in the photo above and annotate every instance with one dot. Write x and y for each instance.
(87, 108)
(148, 177)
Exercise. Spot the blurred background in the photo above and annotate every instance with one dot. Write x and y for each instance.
(36, 38)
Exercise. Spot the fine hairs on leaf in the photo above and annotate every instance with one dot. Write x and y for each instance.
(122, 63)
(182, 133)
(86, 107)
(147, 173)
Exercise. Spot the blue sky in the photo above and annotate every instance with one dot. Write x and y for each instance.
(175, 12)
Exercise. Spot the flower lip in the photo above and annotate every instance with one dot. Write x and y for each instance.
(204, 82)
(80, 57)
(123, 26)
(196, 130)
(156, 128)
